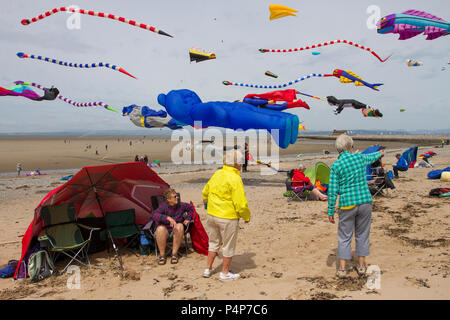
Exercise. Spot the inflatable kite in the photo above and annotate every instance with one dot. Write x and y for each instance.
(411, 63)
(26, 22)
(270, 74)
(228, 83)
(74, 103)
(27, 92)
(412, 23)
(75, 65)
(366, 110)
(314, 46)
(278, 11)
(402, 110)
(315, 53)
(348, 77)
(268, 100)
(301, 127)
(148, 118)
(186, 107)
(199, 55)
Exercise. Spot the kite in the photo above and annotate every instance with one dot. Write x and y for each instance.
(268, 100)
(199, 55)
(315, 53)
(26, 22)
(301, 127)
(74, 103)
(270, 74)
(228, 83)
(149, 118)
(367, 111)
(412, 23)
(411, 63)
(267, 164)
(348, 77)
(314, 46)
(75, 65)
(402, 110)
(186, 107)
(27, 92)
(278, 11)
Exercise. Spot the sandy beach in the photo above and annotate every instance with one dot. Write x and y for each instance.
(287, 251)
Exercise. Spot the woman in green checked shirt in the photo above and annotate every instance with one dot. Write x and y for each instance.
(348, 180)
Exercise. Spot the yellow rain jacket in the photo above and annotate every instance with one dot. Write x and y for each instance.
(225, 195)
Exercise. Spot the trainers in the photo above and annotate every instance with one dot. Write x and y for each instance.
(207, 273)
(342, 274)
(229, 276)
(361, 270)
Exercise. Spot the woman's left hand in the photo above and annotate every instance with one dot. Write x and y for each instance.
(331, 219)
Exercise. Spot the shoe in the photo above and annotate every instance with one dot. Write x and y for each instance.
(361, 270)
(207, 273)
(342, 274)
(229, 276)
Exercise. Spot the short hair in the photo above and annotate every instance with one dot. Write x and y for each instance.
(344, 143)
(301, 166)
(398, 155)
(232, 157)
(168, 193)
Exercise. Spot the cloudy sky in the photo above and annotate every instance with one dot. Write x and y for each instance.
(234, 30)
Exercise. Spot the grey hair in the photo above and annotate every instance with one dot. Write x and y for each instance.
(301, 166)
(344, 143)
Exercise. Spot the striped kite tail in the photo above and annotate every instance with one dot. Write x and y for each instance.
(228, 83)
(319, 45)
(75, 65)
(26, 22)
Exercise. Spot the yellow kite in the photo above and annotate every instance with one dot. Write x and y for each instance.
(278, 11)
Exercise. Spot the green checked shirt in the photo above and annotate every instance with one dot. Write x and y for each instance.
(348, 180)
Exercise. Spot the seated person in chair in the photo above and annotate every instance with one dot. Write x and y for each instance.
(172, 218)
(401, 165)
(379, 177)
(302, 182)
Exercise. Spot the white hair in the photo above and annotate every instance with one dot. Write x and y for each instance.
(301, 166)
(344, 143)
(232, 157)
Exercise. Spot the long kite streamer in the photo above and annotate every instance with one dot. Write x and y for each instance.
(228, 83)
(74, 103)
(314, 46)
(97, 14)
(75, 65)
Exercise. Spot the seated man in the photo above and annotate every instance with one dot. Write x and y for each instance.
(401, 165)
(171, 218)
(379, 177)
(302, 182)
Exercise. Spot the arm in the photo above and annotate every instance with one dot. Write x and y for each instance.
(239, 201)
(188, 212)
(371, 157)
(159, 215)
(205, 192)
(333, 191)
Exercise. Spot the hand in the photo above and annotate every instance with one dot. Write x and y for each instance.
(382, 153)
(171, 222)
(247, 221)
(331, 219)
(186, 222)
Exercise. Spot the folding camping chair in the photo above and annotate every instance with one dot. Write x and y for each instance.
(122, 224)
(299, 194)
(150, 228)
(379, 181)
(62, 234)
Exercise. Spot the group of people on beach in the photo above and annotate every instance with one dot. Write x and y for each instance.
(225, 202)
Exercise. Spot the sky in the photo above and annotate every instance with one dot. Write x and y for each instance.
(234, 30)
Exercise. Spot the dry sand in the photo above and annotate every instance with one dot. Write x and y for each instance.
(287, 251)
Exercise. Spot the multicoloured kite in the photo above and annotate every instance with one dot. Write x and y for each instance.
(268, 100)
(27, 92)
(149, 118)
(290, 83)
(278, 11)
(97, 14)
(270, 74)
(75, 65)
(74, 103)
(349, 77)
(366, 110)
(314, 46)
(186, 107)
(413, 63)
(412, 23)
(199, 55)
(402, 110)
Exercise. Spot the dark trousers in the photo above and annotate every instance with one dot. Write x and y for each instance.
(397, 169)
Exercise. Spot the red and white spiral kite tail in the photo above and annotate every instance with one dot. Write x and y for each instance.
(315, 46)
(97, 14)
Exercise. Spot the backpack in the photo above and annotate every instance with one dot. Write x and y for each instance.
(40, 266)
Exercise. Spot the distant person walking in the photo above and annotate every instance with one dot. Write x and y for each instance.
(19, 169)
(146, 159)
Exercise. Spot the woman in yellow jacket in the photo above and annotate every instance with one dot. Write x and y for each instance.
(225, 201)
